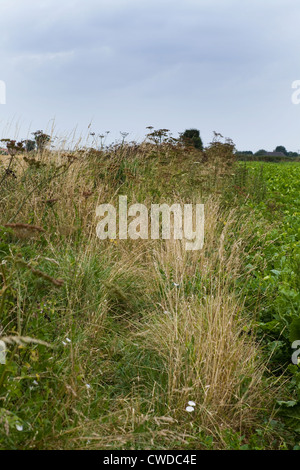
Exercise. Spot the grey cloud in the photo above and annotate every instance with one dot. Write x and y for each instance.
(206, 61)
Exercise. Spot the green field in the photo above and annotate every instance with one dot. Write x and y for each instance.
(108, 341)
(279, 280)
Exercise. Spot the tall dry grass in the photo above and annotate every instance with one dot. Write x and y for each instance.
(192, 325)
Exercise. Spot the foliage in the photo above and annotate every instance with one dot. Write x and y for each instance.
(192, 137)
(281, 148)
(272, 192)
(30, 145)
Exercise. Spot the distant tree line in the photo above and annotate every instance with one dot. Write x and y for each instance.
(263, 152)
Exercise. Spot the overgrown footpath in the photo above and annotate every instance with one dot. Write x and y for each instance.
(108, 341)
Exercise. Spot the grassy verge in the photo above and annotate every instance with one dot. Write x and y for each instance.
(134, 330)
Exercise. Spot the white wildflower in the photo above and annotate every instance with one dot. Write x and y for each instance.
(190, 409)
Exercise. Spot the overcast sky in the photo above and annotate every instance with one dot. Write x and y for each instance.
(214, 65)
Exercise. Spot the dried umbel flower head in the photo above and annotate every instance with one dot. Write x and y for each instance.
(14, 147)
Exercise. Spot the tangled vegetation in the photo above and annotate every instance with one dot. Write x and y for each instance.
(108, 340)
